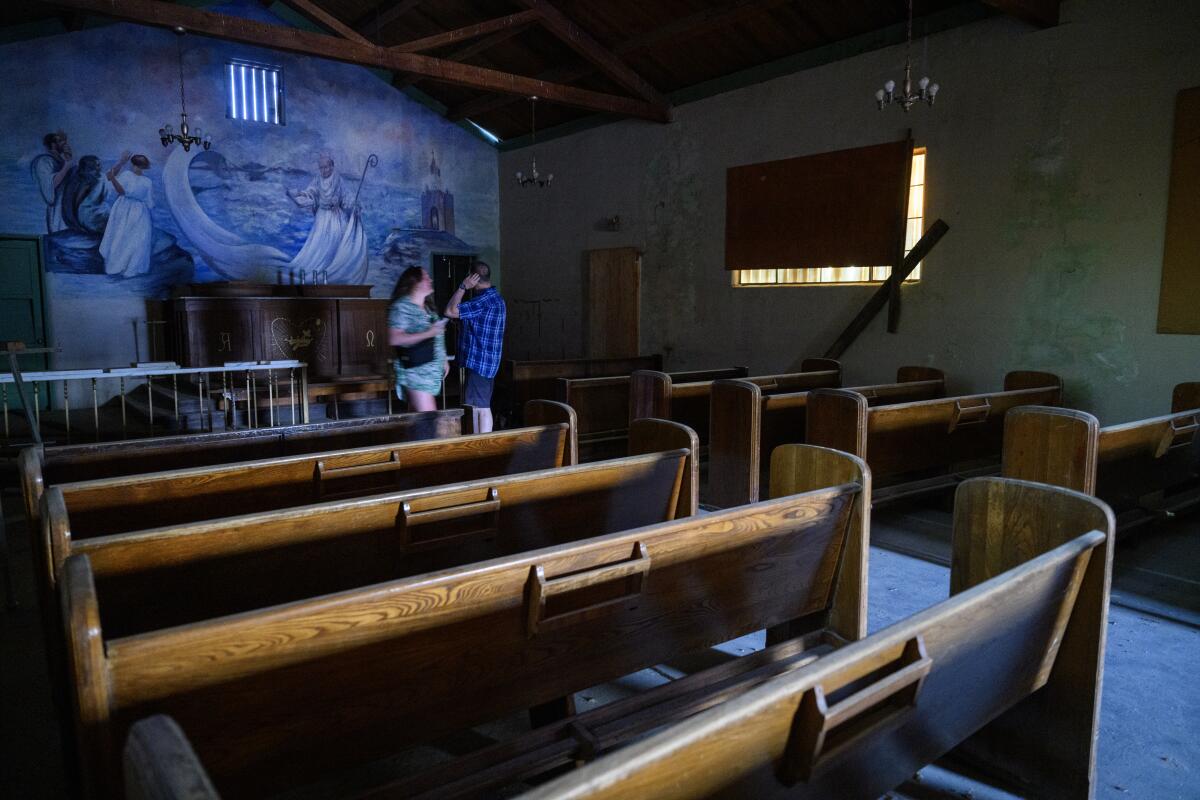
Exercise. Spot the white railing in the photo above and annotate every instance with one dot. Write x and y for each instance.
(26, 390)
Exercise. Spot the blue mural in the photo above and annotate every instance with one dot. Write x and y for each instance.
(359, 183)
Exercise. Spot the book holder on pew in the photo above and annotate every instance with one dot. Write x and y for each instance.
(541, 589)
(409, 519)
(970, 414)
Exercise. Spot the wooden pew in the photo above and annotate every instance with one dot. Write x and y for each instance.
(654, 394)
(927, 445)
(745, 425)
(521, 381)
(162, 576)
(1147, 469)
(158, 499)
(1004, 678)
(283, 695)
(602, 405)
(45, 466)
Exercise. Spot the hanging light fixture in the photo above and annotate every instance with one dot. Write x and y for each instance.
(534, 178)
(926, 91)
(185, 137)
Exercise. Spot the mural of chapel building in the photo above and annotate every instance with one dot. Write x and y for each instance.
(437, 205)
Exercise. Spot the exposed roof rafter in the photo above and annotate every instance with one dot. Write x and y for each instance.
(519, 20)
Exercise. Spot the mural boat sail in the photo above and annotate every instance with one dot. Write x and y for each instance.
(336, 246)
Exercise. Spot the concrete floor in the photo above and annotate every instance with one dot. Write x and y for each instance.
(1150, 717)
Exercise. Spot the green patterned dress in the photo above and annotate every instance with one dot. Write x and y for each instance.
(410, 318)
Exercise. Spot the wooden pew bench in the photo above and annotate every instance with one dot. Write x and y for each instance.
(928, 445)
(1004, 678)
(45, 466)
(602, 406)
(745, 425)
(161, 576)
(1146, 469)
(289, 694)
(655, 394)
(108, 506)
(521, 381)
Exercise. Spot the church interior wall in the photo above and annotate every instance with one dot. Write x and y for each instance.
(110, 88)
(1049, 153)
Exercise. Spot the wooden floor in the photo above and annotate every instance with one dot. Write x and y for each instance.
(1148, 744)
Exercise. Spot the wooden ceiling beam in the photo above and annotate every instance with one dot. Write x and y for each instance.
(169, 15)
(375, 21)
(691, 25)
(1040, 13)
(323, 18)
(476, 47)
(605, 60)
(518, 20)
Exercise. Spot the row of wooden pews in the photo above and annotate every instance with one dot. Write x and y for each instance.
(1017, 648)
(283, 623)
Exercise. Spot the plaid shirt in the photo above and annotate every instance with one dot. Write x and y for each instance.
(482, 336)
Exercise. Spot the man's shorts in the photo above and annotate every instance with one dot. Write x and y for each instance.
(477, 390)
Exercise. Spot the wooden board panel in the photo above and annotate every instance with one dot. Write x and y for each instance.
(614, 302)
(1177, 308)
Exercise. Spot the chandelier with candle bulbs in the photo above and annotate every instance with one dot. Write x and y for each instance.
(534, 178)
(907, 98)
(185, 136)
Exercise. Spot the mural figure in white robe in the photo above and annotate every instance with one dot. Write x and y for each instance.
(336, 245)
(129, 235)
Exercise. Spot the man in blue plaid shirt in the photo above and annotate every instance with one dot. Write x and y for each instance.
(480, 340)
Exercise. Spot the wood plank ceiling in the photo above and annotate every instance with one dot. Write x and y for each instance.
(628, 48)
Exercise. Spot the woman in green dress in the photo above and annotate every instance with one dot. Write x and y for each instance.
(412, 320)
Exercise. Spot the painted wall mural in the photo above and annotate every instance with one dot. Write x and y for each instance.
(359, 183)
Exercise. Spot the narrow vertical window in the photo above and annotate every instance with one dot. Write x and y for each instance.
(255, 92)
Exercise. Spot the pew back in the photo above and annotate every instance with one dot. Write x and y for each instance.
(273, 697)
(161, 577)
(114, 505)
(530, 380)
(1020, 645)
(907, 440)
(655, 394)
(1125, 464)
(41, 467)
(602, 405)
(746, 425)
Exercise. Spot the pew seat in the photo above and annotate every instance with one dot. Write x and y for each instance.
(521, 381)
(288, 694)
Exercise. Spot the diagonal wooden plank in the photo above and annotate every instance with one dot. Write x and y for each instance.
(692, 25)
(860, 322)
(322, 17)
(481, 45)
(509, 22)
(582, 42)
(375, 21)
(205, 23)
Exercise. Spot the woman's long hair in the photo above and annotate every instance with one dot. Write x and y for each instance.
(408, 281)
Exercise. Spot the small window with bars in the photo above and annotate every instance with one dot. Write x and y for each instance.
(915, 227)
(255, 92)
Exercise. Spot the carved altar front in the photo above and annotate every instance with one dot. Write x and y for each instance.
(335, 336)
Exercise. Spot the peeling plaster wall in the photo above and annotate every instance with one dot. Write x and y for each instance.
(1049, 156)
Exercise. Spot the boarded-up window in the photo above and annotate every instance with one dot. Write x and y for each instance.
(840, 209)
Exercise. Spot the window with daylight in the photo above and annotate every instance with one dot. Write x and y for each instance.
(831, 275)
(255, 92)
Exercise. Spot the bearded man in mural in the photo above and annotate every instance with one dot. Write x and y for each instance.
(335, 217)
(49, 170)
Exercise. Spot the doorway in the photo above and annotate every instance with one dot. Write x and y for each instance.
(449, 271)
(22, 305)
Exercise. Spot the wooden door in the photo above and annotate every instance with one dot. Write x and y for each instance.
(614, 280)
(22, 315)
(362, 337)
